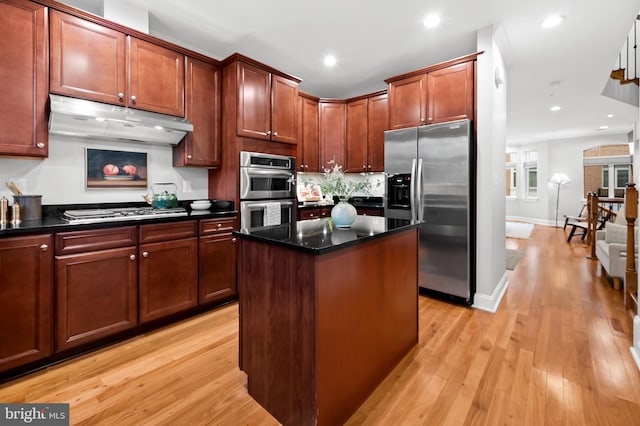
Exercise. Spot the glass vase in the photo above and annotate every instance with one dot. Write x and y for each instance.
(343, 214)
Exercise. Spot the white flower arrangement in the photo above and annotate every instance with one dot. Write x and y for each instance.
(337, 184)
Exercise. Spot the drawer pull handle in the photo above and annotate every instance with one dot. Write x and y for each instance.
(234, 239)
(133, 99)
(44, 247)
(40, 145)
(145, 254)
(121, 96)
(132, 257)
(219, 225)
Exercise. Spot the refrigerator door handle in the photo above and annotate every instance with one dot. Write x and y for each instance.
(412, 191)
(419, 197)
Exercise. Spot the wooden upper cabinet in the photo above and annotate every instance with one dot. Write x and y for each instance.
(156, 78)
(284, 113)
(202, 147)
(267, 105)
(332, 133)
(24, 42)
(451, 93)
(356, 146)
(87, 60)
(377, 123)
(90, 61)
(408, 102)
(254, 102)
(308, 145)
(444, 94)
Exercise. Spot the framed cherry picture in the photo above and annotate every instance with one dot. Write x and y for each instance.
(115, 169)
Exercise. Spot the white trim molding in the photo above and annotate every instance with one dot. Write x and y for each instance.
(532, 220)
(491, 303)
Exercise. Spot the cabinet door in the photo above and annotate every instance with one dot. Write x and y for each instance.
(26, 299)
(356, 147)
(284, 110)
(310, 134)
(408, 102)
(24, 43)
(156, 78)
(377, 123)
(451, 93)
(332, 133)
(202, 108)
(87, 60)
(168, 278)
(254, 102)
(217, 268)
(97, 295)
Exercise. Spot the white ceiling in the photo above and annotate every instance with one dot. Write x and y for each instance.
(375, 39)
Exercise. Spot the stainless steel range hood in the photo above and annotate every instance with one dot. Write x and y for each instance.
(94, 120)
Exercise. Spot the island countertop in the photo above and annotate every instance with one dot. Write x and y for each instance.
(320, 236)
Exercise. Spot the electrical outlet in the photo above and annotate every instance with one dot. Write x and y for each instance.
(186, 186)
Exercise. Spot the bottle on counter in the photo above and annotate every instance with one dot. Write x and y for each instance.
(15, 214)
(4, 210)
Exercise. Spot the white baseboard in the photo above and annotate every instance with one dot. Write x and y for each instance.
(536, 221)
(491, 303)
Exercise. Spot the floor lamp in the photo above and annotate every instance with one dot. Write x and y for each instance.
(559, 179)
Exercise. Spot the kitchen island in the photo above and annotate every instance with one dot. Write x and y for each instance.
(325, 313)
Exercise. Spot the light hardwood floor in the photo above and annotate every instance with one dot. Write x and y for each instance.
(556, 353)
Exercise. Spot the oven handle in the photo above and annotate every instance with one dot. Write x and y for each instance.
(264, 205)
(268, 173)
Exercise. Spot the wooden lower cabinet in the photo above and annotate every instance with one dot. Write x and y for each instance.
(168, 277)
(26, 300)
(304, 214)
(370, 211)
(97, 295)
(218, 253)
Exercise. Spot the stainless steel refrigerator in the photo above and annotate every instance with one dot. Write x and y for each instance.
(431, 177)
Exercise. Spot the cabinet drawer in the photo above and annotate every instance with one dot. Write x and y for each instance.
(213, 226)
(314, 213)
(95, 239)
(168, 231)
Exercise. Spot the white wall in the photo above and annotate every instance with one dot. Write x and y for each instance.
(60, 178)
(564, 155)
(491, 143)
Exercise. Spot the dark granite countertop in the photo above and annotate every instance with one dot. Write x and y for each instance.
(52, 219)
(320, 236)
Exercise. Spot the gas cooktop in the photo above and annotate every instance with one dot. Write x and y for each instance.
(115, 214)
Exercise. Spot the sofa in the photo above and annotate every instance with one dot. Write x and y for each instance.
(611, 248)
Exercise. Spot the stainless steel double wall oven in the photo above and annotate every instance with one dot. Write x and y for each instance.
(266, 179)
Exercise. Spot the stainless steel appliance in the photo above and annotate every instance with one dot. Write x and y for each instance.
(430, 177)
(117, 214)
(266, 176)
(88, 119)
(266, 180)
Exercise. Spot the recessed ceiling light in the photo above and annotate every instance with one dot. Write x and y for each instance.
(604, 127)
(610, 115)
(330, 60)
(431, 21)
(552, 21)
(555, 108)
